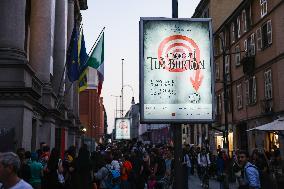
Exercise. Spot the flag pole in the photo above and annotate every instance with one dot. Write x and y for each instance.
(62, 75)
(64, 68)
(97, 40)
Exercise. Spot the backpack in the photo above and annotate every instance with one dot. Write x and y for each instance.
(113, 179)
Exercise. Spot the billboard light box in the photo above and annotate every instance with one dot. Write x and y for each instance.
(176, 72)
(122, 128)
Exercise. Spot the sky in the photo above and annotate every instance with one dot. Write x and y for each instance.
(121, 21)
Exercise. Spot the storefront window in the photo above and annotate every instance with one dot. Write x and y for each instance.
(274, 140)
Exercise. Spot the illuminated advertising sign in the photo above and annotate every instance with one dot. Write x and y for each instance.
(176, 77)
(122, 128)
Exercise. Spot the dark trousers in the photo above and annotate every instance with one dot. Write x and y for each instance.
(185, 176)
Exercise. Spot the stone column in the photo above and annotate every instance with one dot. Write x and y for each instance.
(70, 25)
(42, 24)
(42, 38)
(15, 75)
(60, 46)
(12, 22)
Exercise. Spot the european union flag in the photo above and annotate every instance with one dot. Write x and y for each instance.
(83, 56)
(72, 63)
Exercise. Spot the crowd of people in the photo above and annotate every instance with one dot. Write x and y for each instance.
(134, 165)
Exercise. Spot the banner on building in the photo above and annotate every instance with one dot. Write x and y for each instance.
(176, 72)
(122, 128)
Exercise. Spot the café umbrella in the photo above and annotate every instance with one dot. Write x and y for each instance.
(276, 125)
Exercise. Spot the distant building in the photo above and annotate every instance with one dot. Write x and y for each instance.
(92, 116)
(155, 133)
(134, 114)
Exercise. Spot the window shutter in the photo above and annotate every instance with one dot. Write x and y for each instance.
(227, 64)
(244, 15)
(220, 42)
(237, 55)
(233, 32)
(247, 92)
(259, 39)
(254, 89)
(269, 32)
(270, 83)
(239, 26)
(265, 86)
(263, 8)
(252, 44)
(239, 96)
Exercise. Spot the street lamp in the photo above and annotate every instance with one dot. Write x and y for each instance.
(122, 87)
(132, 92)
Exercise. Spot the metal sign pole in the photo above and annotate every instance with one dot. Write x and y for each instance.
(178, 181)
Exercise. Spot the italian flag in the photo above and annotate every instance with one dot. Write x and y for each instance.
(96, 61)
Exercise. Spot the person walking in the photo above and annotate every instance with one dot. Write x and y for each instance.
(250, 175)
(104, 174)
(220, 163)
(83, 169)
(9, 166)
(204, 163)
(126, 169)
(186, 165)
(36, 171)
(53, 175)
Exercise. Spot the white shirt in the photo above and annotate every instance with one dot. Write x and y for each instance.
(203, 160)
(20, 185)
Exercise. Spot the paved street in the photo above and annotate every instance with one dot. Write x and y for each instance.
(194, 183)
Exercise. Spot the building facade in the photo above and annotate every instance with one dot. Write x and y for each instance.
(92, 116)
(36, 104)
(155, 133)
(253, 42)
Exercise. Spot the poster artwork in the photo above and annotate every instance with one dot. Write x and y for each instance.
(122, 128)
(177, 70)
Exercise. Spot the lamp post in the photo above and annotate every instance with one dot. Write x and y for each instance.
(131, 90)
(122, 87)
(177, 130)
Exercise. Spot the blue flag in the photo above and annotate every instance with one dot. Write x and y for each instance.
(72, 63)
(83, 56)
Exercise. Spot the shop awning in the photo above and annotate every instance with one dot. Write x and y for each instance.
(276, 125)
